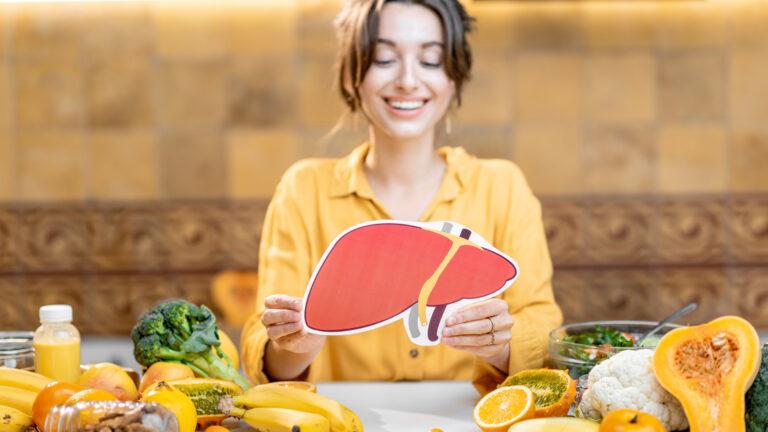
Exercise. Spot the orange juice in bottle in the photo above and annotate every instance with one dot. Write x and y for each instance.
(57, 344)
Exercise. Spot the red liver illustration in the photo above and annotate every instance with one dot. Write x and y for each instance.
(376, 272)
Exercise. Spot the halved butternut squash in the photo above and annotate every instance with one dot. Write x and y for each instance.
(708, 368)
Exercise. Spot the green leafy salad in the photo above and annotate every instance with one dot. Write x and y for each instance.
(594, 346)
(590, 347)
(602, 337)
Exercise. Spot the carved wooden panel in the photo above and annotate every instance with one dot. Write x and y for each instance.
(631, 231)
(103, 304)
(615, 257)
(645, 294)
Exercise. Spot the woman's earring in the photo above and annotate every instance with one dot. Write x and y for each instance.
(448, 127)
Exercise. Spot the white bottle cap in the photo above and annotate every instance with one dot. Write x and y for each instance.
(56, 313)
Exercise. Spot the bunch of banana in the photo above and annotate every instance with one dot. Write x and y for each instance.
(285, 409)
(23, 379)
(15, 397)
(13, 420)
(18, 390)
(282, 420)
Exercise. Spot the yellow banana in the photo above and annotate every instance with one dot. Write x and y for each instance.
(17, 398)
(23, 379)
(341, 418)
(13, 420)
(282, 420)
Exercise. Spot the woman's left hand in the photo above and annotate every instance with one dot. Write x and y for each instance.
(483, 329)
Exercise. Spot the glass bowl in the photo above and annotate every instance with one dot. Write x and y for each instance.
(580, 358)
(96, 416)
(16, 350)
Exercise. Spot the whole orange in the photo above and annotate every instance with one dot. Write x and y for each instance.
(55, 393)
(629, 420)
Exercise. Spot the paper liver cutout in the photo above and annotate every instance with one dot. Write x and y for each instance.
(379, 272)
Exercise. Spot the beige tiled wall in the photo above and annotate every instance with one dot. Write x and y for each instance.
(210, 99)
(7, 171)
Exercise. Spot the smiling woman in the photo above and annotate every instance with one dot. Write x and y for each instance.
(406, 91)
(442, 44)
(401, 64)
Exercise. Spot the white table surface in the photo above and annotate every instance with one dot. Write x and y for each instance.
(407, 406)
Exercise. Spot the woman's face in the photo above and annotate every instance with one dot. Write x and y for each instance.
(406, 90)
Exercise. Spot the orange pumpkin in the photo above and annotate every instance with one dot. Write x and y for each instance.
(629, 420)
(708, 368)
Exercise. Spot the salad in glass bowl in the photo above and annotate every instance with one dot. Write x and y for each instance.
(580, 346)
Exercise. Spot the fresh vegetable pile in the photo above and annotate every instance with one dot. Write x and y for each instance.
(697, 378)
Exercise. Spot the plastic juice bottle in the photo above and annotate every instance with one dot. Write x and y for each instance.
(57, 344)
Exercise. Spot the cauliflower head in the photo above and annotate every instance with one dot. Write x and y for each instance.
(626, 380)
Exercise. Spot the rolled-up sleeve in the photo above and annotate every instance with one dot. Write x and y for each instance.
(284, 268)
(530, 298)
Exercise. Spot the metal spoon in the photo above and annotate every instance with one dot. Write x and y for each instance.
(690, 307)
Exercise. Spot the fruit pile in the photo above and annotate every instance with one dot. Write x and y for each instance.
(26, 398)
(191, 371)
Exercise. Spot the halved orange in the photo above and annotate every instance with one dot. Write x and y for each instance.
(298, 385)
(554, 389)
(503, 407)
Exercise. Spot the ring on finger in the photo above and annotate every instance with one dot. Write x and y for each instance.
(493, 328)
(493, 339)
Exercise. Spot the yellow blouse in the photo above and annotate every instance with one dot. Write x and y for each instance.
(317, 199)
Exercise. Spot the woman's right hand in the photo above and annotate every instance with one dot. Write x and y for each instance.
(282, 319)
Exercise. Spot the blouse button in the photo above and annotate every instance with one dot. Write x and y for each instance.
(414, 353)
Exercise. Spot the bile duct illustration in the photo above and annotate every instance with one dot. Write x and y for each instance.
(379, 272)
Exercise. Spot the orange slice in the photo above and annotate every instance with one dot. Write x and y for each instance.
(503, 407)
(298, 385)
(554, 389)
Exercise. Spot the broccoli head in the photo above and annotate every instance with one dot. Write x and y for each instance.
(150, 349)
(179, 331)
(177, 314)
(151, 323)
